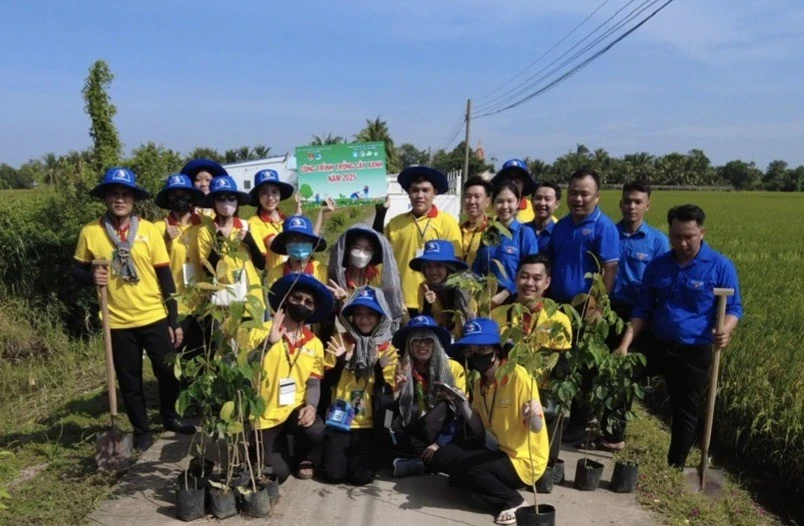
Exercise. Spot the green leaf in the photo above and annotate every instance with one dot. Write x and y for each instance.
(227, 410)
(234, 428)
(4, 494)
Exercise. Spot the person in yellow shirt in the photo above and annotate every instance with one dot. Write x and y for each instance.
(139, 286)
(201, 172)
(268, 191)
(476, 200)
(179, 229)
(298, 242)
(363, 257)
(507, 411)
(408, 232)
(229, 239)
(426, 425)
(447, 304)
(358, 363)
(292, 369)
(517, 171)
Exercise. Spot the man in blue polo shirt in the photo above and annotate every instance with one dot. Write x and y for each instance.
(580, 239)
(546, 199)
(678, 305)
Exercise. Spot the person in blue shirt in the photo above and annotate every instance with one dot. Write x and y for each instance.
(586, 229)
(509, 251)
(639, 245)
(546, 199)
(678, 307)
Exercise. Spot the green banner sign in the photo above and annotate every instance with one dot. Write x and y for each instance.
(348, 173)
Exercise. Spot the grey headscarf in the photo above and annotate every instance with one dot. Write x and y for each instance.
(122, 262)
(438, 372)
(391, 285)
(364, 355)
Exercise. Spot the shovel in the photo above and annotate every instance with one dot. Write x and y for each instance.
(114, 449)
(705, 479)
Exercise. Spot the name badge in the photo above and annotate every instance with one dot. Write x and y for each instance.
(287, 391)
(188, 271)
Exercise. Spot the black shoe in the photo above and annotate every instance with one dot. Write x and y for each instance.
(179, 426)
(144, 442)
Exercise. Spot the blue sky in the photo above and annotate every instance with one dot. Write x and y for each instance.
(721, 75)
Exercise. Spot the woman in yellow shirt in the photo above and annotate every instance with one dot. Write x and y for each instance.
(507, 412)
(298, 242)
(202, 172)
(267, 193)
(358, 362)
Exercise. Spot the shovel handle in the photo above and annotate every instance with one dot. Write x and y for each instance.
(107, 343)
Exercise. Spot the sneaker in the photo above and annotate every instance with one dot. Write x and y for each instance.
(179, 426)
(405, 467)
(144, 442)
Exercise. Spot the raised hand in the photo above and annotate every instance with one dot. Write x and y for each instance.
(339, 292)
(337, 347)
(278, 330)
(429, 296)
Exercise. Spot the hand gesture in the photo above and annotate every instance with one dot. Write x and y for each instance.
(176, 336)
(278, 330)
(401, 373)
(241, 234)
(429, 452)
(306, 416)
(100, 275)
(328, 206)
(429, 296)
(337, 347)
(172, 231)
(339, 292)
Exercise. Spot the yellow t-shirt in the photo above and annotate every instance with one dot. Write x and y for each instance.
(439, 314)
(267, 229)
(350, 387)
(471, 236)
(130, 304)
(313, 268)
(407, 235)
(458, 374)
(235, 262)
(283, 361)
(182, 250)
(500, 409)
(544, 326)
(526, 214)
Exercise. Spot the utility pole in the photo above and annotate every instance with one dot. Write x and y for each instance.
(465, 174)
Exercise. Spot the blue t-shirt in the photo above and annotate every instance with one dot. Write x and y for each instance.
(544, 236)
(636, 251)
(509, 253)
(679, 302)
(569, 250)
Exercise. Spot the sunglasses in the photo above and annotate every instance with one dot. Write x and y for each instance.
(297, 299)
(226, 198)
(417, 342)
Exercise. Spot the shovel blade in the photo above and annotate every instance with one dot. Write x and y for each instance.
(114, 450)
(711, 486)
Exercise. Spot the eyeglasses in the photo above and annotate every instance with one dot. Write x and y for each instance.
(298, 299)
(229, 198)
(418, 342)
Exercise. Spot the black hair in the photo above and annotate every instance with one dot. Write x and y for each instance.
(420, 179)
(636, 186)
(479, 181)
(554, 186)
(686, 213)
(586, 172)
(534, 259)
(506, 185)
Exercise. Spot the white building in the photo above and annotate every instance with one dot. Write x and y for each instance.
(243, 173)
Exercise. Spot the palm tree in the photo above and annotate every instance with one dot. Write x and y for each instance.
(377, 131)
(204, 152)
(326, 139)
(51, 165)
(244, 154)
(261, 151)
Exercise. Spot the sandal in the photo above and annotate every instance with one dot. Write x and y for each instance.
(506, 517)
(601, 445)
(306, 470)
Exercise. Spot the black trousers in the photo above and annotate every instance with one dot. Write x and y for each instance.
(127, 346)
(353, 456)
(196, 337)
(491, 476)
(275, 444)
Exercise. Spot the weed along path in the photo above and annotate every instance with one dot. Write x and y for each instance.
(145, 497)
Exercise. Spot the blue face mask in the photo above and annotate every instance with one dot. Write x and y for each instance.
(299, 251)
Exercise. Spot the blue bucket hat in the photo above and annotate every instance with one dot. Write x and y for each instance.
(177, 182)
(269, 176)
(418, 323)
(192, 168)
(374, 237)
(225, 185)
(515, 168)
(296, 225)
(480, 331)
(364, 297)
(437, 177)
(123, 177)
(324, 300)
(438, 251)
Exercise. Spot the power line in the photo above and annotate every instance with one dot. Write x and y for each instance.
(489, 104)
(507, 82)
(579, 67)
(539, 77)
(453, 133)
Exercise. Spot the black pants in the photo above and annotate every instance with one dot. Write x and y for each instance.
(275, 446)
(196, 337)
(491, 476)
(418, 435)
(685, 369)
(352, 456)
(127, 346)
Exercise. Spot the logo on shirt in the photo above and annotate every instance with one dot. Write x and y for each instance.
(221, 182)
(472, 328)
(586, 231)
(696, 284)
(641, 256)
(121, 175)
(432, 246)
(510, 250)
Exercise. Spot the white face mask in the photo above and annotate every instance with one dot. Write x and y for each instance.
(360, 258)
(226, 208)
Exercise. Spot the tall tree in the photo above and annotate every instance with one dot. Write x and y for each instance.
(244, 154)
(739, 174)
(51, 166)
(323, 140)
(98, 105)
(231, 156)
(261, 151)
(409, 155)
(377, 131)
(774, 175)
(204, 152)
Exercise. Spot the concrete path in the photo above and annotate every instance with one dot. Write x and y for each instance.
(145, 497)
